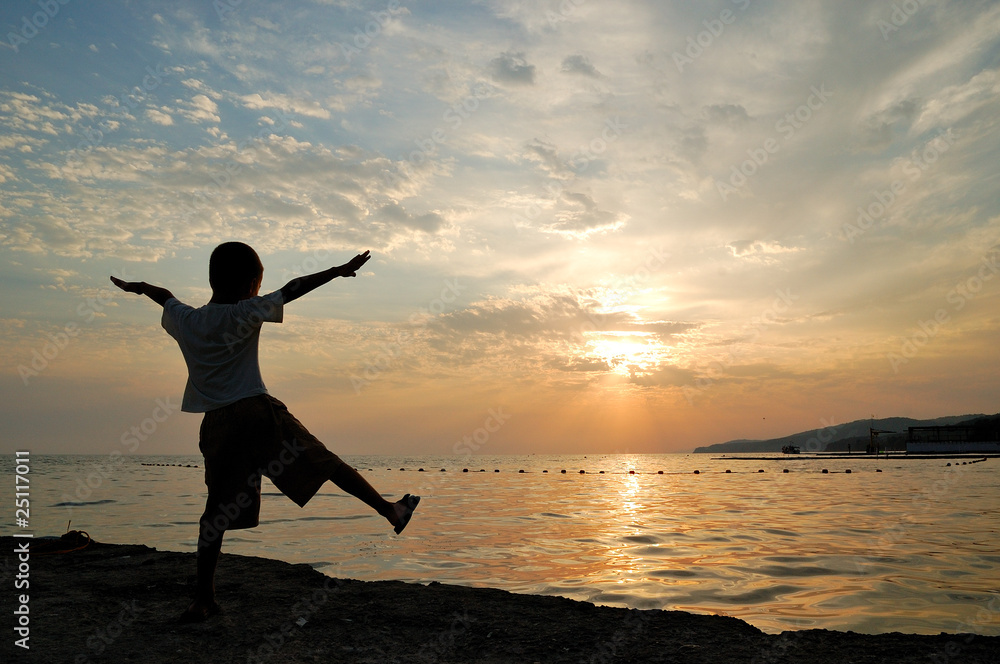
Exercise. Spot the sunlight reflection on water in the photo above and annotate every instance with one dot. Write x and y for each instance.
(912, 549)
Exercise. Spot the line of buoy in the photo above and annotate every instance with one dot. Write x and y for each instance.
(178, 465)
(966, 463)
(824, 471)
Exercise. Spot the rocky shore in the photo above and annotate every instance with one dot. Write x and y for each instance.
(120, 603)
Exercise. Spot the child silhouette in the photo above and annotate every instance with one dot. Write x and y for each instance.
(246, 432)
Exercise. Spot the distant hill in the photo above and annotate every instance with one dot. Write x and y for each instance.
(836, 438)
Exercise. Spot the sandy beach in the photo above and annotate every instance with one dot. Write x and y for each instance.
(119, 603)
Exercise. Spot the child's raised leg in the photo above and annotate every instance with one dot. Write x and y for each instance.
(397, 513)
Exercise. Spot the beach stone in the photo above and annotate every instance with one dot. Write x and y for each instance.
(282, 613)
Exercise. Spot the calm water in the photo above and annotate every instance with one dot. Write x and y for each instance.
(914, 548)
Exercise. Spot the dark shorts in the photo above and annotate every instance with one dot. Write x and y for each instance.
(253, 437)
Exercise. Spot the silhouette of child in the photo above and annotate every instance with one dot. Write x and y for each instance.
(246, 432)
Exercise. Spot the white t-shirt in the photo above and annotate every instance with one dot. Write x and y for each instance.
(219, 344)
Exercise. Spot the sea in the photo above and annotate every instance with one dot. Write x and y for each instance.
(848, 543)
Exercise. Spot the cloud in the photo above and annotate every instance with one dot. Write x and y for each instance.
(730, 114)
(393, 213)
(199, 109)
(955, 103)
(286, 103)
(580, 216)
(264, 23)
(579, 64)
(201, 87)
(159, 117)
(557, 313)
(882, 128)
(546, 155)
(512, 68)
(530, 197)
(747, 248)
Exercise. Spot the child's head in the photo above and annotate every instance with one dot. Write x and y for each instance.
(234, 271)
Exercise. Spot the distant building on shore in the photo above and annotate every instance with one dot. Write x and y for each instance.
(956, 439)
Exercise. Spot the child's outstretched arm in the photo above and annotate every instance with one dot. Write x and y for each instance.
(299, 286)
(154, 293)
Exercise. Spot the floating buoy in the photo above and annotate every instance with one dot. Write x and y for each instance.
(583, 472)
(947, 464)
(520, 471)
(420, 470)
(848, 471)
(496, 470)
(825, 471)
(785, 470)
(402, 469)
(602, 472)
(631, 472)
(465, 470)
(545, 471)
(697, 472)
(728, 471)
(761, 470)
(878, 470)
(563, 471)
(482, 470)
(442, 470)
(659, 472)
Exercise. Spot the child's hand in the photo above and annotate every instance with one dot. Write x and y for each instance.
(128, 286)
(350, 268)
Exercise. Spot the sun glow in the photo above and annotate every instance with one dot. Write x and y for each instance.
(627, 353)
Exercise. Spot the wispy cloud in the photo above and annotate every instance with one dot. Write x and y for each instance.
(537, 153)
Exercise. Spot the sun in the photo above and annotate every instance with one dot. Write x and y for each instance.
(627, 353)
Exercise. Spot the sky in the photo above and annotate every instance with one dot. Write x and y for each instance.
(596, 227)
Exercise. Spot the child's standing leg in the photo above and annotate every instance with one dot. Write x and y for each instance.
(209, 547)
(398, 513)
